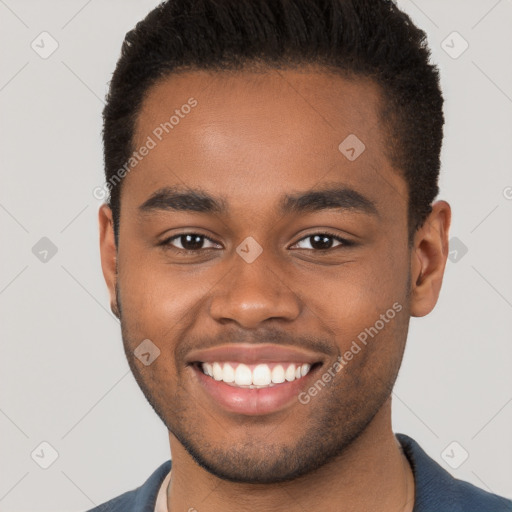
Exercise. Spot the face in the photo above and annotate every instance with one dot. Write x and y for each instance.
(249, 239)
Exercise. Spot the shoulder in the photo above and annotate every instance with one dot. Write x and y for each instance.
(437, 489)
(143, 498)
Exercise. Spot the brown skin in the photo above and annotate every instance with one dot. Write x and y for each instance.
(252, 139)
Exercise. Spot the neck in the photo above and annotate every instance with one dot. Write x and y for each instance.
(371, 474)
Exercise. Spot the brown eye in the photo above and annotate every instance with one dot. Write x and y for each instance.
(189, 242)
(323, 242)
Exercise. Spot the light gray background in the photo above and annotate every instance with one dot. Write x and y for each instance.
(64, 377)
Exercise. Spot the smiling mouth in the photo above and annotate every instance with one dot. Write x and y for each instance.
(255, 376)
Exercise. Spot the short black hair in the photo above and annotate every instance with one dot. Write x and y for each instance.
(363, 38)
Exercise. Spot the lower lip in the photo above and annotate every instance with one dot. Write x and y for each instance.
(253, 402)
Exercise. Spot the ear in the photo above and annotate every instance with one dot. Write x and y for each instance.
(108, 253)
(428, 261)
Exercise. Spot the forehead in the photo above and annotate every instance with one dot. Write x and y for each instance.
(252, 134)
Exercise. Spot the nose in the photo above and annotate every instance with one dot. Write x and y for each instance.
(252, 293)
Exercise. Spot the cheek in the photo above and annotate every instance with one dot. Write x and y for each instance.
(353, 295)
(364, 305)
(157, 297)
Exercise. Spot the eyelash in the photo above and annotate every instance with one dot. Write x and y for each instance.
(167, 242)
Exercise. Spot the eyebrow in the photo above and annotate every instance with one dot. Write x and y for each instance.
(181, 199)
(337, 197)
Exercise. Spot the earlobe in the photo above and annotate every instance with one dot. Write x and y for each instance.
(108, 252)
(428, 261)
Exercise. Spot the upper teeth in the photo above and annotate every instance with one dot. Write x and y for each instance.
(255, 375)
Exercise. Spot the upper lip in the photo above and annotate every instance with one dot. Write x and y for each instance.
(250, 354)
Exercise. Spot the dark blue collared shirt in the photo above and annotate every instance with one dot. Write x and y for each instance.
(436, 489)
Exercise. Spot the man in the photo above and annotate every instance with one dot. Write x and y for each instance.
(271, 228)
